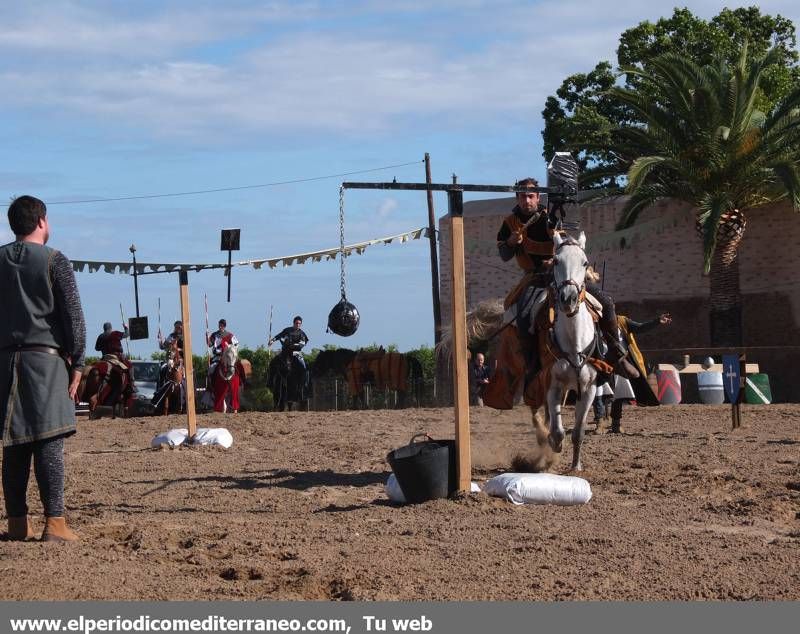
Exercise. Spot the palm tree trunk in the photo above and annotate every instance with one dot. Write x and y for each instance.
(726, 300)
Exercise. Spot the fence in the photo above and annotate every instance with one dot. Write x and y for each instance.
(332, 394)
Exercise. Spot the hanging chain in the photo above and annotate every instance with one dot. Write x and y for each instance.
(341, 238)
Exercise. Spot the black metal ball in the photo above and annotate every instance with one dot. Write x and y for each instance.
(343, 319)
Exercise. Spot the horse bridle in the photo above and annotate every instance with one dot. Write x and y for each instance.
(580, 288)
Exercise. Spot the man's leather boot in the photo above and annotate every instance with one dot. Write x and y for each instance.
(56, 530)
(19, 529)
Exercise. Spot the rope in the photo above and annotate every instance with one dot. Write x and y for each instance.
(229, 189)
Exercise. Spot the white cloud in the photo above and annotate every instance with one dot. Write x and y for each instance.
(305, 76)
(386, 208)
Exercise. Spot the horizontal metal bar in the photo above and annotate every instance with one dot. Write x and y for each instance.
(448, 187)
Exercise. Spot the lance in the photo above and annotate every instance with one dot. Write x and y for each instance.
(124, 328)
(160, 335)
(269, 336)
(208, 350)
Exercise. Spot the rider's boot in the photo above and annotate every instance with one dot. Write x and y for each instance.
(616, 426)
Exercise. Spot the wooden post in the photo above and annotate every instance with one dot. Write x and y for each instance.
(459, 312)
(191, 415)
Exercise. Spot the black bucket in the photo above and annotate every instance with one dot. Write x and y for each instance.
(425, 470)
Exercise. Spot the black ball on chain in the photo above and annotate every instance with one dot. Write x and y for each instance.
(343, 319)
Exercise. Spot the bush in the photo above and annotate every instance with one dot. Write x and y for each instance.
(257, 399)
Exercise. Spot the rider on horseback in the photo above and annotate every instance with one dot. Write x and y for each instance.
(215, 340)
(292, 340)
(109, 342)
(175, 337)
(527, 235)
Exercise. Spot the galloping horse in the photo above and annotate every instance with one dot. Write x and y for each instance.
(95, 377)
(226, 378)
(169, 396)
(288, 380)
(574, 343)
(567, 349)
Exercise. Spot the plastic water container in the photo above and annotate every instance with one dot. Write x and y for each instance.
(669, 387)
(710, 387)
(756, 390)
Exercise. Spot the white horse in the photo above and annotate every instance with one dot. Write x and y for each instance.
(575, 338)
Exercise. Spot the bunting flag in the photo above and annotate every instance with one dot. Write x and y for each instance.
(126, 268)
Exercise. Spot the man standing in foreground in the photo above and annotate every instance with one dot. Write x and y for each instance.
(41, 357)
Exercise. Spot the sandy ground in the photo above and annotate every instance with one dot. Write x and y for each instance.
(683, 508)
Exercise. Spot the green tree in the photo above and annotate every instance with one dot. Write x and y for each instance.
(426, 356)
(704, 140)
(582, 117)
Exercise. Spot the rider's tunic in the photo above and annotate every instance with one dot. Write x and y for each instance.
(537, 241)
(292, 338)
(42, 314)
(110, 344)
(537, 246)
(216, 338)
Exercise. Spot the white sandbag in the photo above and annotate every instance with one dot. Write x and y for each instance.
(393, 490)
(213, 436)
(171, 438)
(539, 488)
(395, 493)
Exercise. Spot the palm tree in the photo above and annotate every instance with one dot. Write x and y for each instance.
(702, 139)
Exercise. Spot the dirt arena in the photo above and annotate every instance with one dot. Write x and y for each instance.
(683, 508)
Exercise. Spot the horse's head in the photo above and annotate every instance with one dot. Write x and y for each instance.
(227, 360)
(174, 360)
(569, 272)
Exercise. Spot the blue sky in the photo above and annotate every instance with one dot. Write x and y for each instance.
(106, 99)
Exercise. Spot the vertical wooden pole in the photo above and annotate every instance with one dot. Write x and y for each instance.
(459, 312)
(191, 415)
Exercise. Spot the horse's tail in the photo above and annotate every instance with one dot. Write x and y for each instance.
(483, 322)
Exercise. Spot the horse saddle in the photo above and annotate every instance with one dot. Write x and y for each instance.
(114, 360)
(542, 297)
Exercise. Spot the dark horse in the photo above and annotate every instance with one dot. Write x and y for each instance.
(168, 397)
(288, 380)
(106, 374)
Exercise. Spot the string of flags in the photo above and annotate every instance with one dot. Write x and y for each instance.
(126, 268)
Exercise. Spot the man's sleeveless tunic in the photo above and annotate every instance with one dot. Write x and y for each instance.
(34, 402)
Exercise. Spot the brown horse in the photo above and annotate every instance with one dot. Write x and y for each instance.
(97, 378)
(169, 395)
